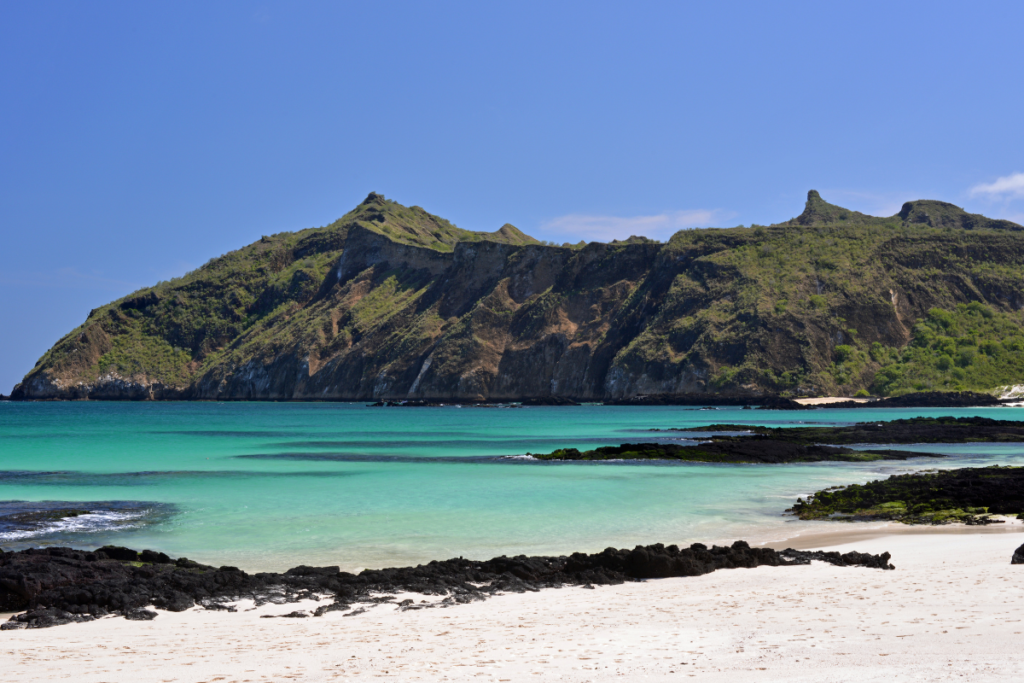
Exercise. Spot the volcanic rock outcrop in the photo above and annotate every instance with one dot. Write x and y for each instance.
(54, 586)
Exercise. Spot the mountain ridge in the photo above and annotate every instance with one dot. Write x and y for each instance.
(391, 302)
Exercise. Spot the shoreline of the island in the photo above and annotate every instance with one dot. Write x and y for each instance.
(762, 624)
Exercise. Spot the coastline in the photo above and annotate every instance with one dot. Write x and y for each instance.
(806, 623)
(825, 400)
(828, 536)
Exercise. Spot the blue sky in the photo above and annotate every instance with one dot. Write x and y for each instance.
(137, 140)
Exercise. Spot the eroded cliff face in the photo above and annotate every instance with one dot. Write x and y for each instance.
(393, 303)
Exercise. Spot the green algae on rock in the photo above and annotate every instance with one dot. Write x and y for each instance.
(968, 495)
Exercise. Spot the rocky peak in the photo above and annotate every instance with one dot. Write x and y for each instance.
(819, 212)
(938, 214)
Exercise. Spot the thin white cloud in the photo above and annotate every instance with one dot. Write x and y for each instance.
(576, 227)
(1007, 186)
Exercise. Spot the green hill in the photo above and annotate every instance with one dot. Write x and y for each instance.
(392, 302)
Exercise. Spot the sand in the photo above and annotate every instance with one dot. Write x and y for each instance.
(825, 400)
(952, 610)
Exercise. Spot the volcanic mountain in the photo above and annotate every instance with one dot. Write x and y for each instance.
(391, 302)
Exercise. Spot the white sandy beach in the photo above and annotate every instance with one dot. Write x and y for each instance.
(952, 610)
(825, 400)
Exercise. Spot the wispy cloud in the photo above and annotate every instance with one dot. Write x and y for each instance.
(575, 227)
(1007, 186)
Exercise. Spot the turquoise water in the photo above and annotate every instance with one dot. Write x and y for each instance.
(266, 486)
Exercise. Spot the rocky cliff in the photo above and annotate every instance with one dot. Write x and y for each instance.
(390, 302)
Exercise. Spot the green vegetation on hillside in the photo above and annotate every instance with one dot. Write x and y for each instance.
(970, 347)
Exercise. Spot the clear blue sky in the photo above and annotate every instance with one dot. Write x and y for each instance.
(137, 140)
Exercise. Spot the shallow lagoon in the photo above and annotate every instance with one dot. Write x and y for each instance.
(271, 485)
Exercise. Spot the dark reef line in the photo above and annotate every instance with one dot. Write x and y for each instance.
(767, 445)
(968, 495)
(54, 586)
(754, 449)
(905, 431)
(930, 399)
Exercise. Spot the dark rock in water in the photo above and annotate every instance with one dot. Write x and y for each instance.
(736, 449)
(61, 585)
(910, 430)
(36, 516)
(684, 400)
(549, 401)
(927, 399)
(968, 495)
(1018, 556)
(779, 403)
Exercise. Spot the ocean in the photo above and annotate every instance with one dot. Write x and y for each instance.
(268, 486)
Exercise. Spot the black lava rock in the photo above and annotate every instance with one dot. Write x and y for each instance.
(1018, 556)
(61, 585)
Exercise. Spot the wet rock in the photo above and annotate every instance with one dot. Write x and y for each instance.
(906, 431)
(739, 449)
(967, 495)
(549, 401)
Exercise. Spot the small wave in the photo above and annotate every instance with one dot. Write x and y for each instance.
(89, 523)
(27, 522)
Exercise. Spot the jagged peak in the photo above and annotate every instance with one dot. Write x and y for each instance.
(415, 225)
(938, 214)
(930, 212)
(819, 212)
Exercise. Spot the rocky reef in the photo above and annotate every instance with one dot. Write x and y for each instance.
(968, 495)
(732, 449)
(54, 586)
(905, 431)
